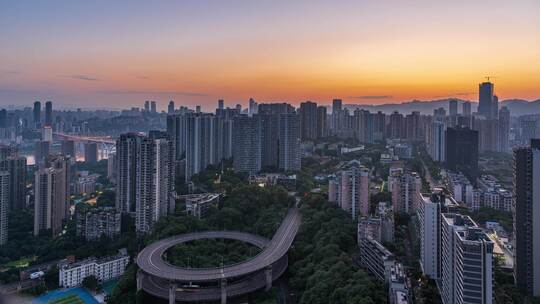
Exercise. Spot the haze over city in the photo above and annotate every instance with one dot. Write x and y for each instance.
(270, 152)
(116, 54)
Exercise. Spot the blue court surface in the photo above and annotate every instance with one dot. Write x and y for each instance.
(82, 293)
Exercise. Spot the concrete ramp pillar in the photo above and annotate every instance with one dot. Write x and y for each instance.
(172, 294)
(223, 291)
(268, 272)
(140, 277)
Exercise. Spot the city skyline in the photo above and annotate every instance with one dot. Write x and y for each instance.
(108, 55)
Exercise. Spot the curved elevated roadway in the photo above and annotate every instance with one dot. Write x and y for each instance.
(161, 288)
(151, 261)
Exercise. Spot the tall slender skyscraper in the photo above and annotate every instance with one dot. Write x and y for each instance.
(37, 114)
(51, 199)
(147, 105)
(363, 126)
(67, 148)
(452, 107)
(467, 108)
(289, 142)
(153, 107)
(170, 107)
(322, 126)
(4, 206)
(461, 148)
(488, 103)
(48, 114)
(16, 167)
(91, 152)
(247, 155)
(3, 118)
(438, 139)
(221, 104)
(527, 218)
(176, 128)
(154, 180)
(127, 158)
(504, 129)
(308, 120)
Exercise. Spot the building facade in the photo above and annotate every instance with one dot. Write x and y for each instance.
(527, 218)
(104, 269)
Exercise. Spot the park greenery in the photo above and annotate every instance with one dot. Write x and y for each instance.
(90, 283)
(247, 208)
(45, 248)
(322, 268)
(210, 253)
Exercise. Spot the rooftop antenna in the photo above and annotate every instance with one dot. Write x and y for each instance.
(488, 77)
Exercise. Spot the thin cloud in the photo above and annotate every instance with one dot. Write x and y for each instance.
(372, 97)
(183, 93)
(455, 94)
(143, 77)
(83, 77)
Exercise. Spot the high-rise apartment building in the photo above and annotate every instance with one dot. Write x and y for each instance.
(16, 167)
(42, 151)
(504, 130)
(253, 107)
(350, 189)
(467, 111)
(221, 104)
(438, 139)
(429, 219)
(51, 195)
(405, 188)
(67, 148)
(247, 153)
(48, 114)
(466, 261)
(154, 180)
(170, 107)
(126, 174)
(37, 114)
(396, 126)
(176, 128)
(111, 167)
(308, 120)
(4, 206)
(379, 126)
(488, 137)
(322, 126)
(526, 213)
(453, 107)
(96, 222)
(91, 152)
(363, 126)
(201, 143)
(413, 127)
(147, 105)
(487, 101)
(462, 150)
(153, 107)
(289, 142)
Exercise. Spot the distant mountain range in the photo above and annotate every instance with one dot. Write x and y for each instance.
(517, 107)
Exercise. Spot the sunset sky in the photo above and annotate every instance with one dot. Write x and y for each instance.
(119, 53)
